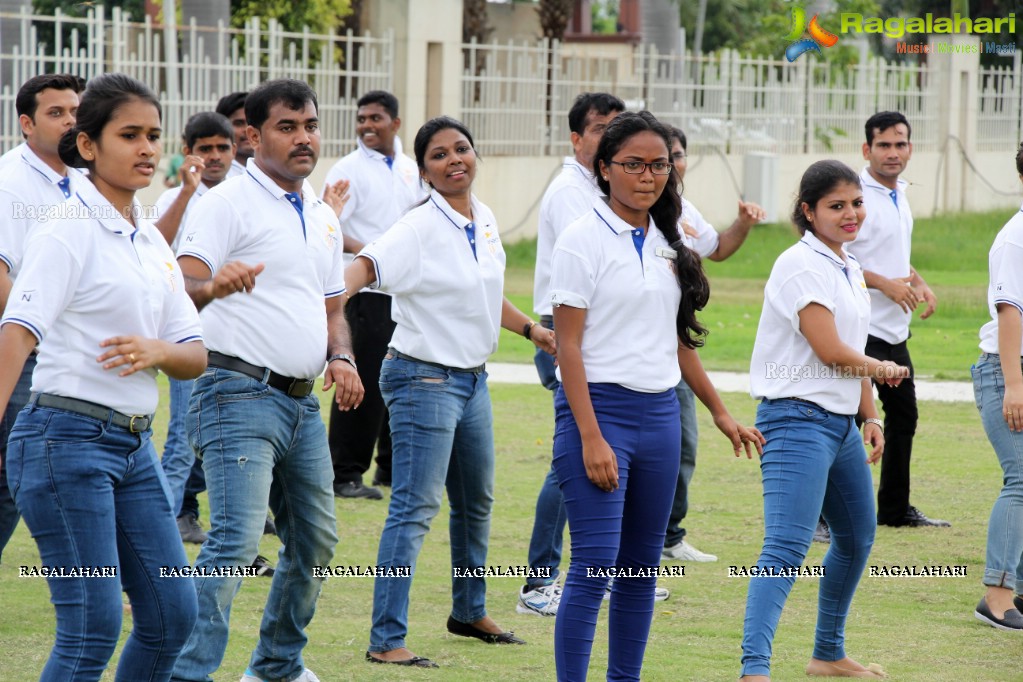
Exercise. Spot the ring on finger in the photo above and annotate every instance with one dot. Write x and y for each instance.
(131, 357)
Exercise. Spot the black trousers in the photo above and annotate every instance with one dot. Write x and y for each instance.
(900, 418)
(352, 435)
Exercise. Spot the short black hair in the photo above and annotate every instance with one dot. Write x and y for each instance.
(385, 99)
(1019, 159)
(229, 104)
(292, 93)
(677, 134)
(26, 102)
(601, 102)
(882, 121)
(819, 179)
(207, 124)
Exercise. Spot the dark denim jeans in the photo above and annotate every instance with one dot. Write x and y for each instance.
(19, 398)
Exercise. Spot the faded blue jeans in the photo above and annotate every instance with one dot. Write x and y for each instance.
(178, 457)
(1005, 527)
(813, 459)
(93, 495)
(259, 446)
(442, 436)
(22, 390)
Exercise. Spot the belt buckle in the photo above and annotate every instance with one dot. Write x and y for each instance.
(131, 423)
(300, 388)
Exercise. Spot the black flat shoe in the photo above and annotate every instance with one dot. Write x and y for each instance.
(414, 662)
(1011, 620)
(457, 627)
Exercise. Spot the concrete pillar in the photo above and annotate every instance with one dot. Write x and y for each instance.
(427, 57)
(957, 74)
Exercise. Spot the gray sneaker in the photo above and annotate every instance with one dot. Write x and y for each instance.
(190, 529)
(355, 490)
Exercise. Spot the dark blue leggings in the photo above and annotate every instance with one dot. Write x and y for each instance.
(621, 529)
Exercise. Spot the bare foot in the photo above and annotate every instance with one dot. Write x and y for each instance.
(754, 678)
(401, 654)
(844, 668)
(487, 624)
(999, 600)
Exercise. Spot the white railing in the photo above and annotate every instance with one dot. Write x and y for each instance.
(1000, 110)
(212, 63)
(726, 101)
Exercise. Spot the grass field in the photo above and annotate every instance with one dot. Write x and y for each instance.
(920, 629)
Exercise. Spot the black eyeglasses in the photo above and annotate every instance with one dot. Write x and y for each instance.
(638, 167)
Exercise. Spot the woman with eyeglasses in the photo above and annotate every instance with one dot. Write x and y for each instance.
(625, 291)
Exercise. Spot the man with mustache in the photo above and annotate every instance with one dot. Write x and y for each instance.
(261, 256)
(383, 184)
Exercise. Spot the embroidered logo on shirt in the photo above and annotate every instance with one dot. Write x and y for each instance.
(170, 275)
(331, 238)
(493, 241)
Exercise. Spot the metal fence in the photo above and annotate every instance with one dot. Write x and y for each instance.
(1000, 111)
(518, 97)
(212, 63)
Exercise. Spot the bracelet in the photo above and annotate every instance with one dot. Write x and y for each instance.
(343, 356)
(528, 330)
(874, 420)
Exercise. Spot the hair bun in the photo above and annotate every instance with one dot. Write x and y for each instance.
(67, 149)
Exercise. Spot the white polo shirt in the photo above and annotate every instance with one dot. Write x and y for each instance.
(706, 240)
(447, 303)
(282, 323)
(163, 204)
(883, 246)
(1005, 267)
(12, 155)
(570, 195)
(236, 169)
(378, 194)
(783, 363)
(91, 277)
(29, 192)
(629, 336)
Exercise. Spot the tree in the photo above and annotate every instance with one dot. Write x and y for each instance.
(321, 16)
(134, 9)
(474, 21)
(554, 17)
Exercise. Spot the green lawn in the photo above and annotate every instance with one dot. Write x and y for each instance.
(950, 252)
(921, 630)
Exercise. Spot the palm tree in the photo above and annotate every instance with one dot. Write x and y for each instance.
(554, 17)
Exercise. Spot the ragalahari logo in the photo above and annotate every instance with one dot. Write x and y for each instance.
(818, 36)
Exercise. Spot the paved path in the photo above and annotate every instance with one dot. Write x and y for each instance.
(738, 382)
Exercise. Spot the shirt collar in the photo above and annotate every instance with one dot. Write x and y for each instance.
(104, 212)
(37, 164)
(573, 163)
(811, 240)
(868, 181)
(454, 217)
(616, 224)
(374, 154)
(276, 191)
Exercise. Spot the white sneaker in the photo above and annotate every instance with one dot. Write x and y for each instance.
(683, 551)
(306, 676)
(540, 601)
(660, 593)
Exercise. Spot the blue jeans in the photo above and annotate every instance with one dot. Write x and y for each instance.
(813, 460)
(8, 511)
(687, 464)
(178, 457)
(194, 484)
(93, 495)
(545, 544)
(623, 528)
(442, 436)
(259, 446)
(1005, 528)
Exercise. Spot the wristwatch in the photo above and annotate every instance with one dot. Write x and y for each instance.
(875, 420)
(343, 356)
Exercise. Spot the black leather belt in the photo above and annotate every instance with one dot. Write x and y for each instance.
(296, 388)
(136, 423)
(468, 370)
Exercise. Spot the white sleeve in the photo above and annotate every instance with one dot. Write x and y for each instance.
(567, 206)
(706, 241)
(797, 291)
(334, 283)
(573, 276)
(210, 232)
(180, 321)
(16, 219)
(47, 282)
(1008, 280)
(397, 257)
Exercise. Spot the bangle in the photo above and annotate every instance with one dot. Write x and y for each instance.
(528, 329)
(343, 356)
(874, 420)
